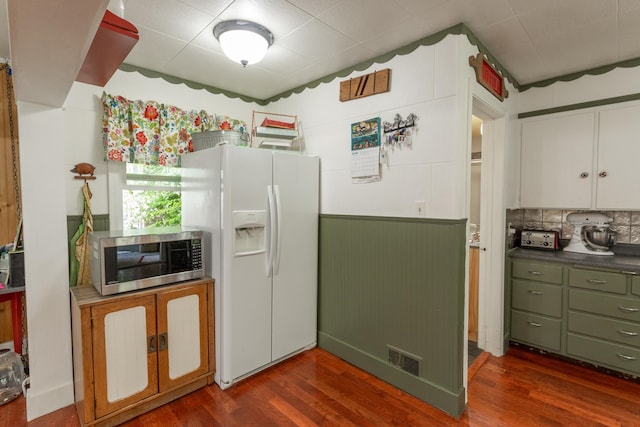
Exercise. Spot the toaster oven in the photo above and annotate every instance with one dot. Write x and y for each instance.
(539, 239)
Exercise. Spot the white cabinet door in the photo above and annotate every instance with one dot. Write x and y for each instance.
(182, 335)
(557, 162)
(618, 180)
(125, 356)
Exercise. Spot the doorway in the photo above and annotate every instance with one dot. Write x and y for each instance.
(474, 237)
(492, 228)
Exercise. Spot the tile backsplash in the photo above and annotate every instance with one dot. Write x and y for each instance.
(625, 223)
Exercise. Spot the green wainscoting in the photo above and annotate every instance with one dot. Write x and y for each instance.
(100, 223)
(391, 301)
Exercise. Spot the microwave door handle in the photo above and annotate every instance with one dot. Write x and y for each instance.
(272, 229)
(276, 262)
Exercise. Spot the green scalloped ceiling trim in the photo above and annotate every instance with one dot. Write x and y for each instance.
(426, 41)
(573, 76)
(193, 85)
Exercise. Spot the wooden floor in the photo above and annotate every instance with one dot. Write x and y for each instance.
(317, 388)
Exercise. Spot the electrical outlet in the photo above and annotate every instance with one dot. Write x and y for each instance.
(420, 207)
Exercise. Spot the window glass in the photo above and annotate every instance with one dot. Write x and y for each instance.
(151, 196)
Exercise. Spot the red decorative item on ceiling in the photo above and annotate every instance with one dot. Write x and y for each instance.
(113, 42)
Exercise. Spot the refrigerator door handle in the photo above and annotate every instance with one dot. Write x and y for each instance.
(272, 230)
(276, 262)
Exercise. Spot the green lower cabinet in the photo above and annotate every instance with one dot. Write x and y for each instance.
(603, 353)
(584, 313)
(604, 281)
(607, 305)
(635, 285)
(537, 297)
(539, 331)
(538, 271)
(626, 333)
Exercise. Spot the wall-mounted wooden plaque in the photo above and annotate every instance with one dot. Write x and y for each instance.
(369, 84)
(488, 76)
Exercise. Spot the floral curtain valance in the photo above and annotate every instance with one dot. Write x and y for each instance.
(151, 133)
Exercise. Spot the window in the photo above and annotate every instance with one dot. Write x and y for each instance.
(150, 196)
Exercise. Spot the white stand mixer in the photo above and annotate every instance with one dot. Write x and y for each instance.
(591, 234)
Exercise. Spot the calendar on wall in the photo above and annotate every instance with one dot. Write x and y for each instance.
(365, 150)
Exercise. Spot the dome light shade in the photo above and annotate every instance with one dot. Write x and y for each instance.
(243, 42)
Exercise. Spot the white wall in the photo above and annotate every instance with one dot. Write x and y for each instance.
(424, 82)
(42, 137)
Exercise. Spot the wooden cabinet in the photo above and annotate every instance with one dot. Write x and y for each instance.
(136, 351)
(582, 161)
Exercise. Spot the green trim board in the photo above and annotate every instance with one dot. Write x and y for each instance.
(190, 83)
(634, 62)
(404, 50)
(391, 301)
(581, 105)
(426, 41)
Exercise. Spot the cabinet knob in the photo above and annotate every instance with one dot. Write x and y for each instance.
(584, 175)
(152, 344)
(602, 174)
(164, 342)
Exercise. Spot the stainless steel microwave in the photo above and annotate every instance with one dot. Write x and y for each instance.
(127, 260)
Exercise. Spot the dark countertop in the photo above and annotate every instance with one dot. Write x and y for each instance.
(623, 260)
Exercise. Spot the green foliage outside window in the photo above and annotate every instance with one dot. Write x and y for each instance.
(152, 209)
(151, 197)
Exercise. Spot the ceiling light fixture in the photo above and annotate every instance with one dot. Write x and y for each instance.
(244, 42)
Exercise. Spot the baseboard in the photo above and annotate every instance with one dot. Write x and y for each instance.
(39, 404)
(450, 402)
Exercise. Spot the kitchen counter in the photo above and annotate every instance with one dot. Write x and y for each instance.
(627, 261)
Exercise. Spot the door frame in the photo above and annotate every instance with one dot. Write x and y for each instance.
(492, 226)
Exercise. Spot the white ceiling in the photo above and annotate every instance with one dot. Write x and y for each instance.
(533, 40)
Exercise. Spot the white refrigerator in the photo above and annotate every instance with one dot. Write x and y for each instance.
(260, 209)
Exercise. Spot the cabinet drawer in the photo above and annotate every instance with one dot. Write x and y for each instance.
(603, 353)
(536, 330)
(537, 297)
(608, 305)
(635, 286)
(601, 327)
(598, 280)
(540, 272)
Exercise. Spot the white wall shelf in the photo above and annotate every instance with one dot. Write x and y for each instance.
(275, 131)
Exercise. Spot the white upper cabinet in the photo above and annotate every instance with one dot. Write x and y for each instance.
(618, 178)
(557, 162)
(589, 160)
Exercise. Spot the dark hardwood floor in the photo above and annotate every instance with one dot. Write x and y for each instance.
(316, 388)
